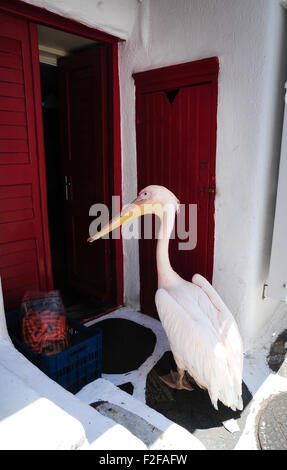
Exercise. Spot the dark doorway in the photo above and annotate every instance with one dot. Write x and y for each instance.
(80, 302)
(55, 178)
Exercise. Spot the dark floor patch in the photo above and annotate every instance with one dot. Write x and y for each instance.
(272, 425)
(126, 345)
(192, 410)
(127, 387)
(278, 352)
(96, 404)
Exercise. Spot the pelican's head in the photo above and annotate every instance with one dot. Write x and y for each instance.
(151, 200)
(155, 194)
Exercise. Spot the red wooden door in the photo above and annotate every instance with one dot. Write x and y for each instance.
(83, 89)
(24, 255)
(176, 148)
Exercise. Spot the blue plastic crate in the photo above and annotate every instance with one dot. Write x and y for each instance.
(72, 368)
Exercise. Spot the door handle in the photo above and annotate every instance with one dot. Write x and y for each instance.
(208, 189)
(67, 187)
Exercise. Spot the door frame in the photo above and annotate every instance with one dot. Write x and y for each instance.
(181, 75)
(36, 15)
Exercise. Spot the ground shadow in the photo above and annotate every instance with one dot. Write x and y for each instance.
(191, 410)
(278, 351)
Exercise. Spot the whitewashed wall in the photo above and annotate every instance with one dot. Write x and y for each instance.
(115, 17)
(248, 37)
(276, 287)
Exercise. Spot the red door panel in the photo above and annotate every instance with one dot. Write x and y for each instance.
(174, 148)
(83, 85)
(23, 265)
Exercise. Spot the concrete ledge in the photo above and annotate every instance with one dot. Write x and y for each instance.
(171, 436)
(31, 422)
(37, 413)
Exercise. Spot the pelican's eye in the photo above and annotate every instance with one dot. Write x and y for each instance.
(144, 195)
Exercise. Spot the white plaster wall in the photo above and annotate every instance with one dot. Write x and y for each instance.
(112, 16)
(248, 37)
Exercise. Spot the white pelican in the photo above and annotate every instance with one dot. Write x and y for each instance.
(201, 331)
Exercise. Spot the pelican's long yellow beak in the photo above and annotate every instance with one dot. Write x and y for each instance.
(137, 208)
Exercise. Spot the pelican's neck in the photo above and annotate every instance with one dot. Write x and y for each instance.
(164, 270)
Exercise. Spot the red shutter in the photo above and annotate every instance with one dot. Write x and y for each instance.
(23, 264)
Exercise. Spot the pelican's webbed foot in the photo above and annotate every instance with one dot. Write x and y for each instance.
(177, 380)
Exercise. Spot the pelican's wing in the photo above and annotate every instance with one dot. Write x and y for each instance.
(203, 283)
(194, 341)
(222, 320)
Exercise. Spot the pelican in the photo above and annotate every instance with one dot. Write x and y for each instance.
(202, 333)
